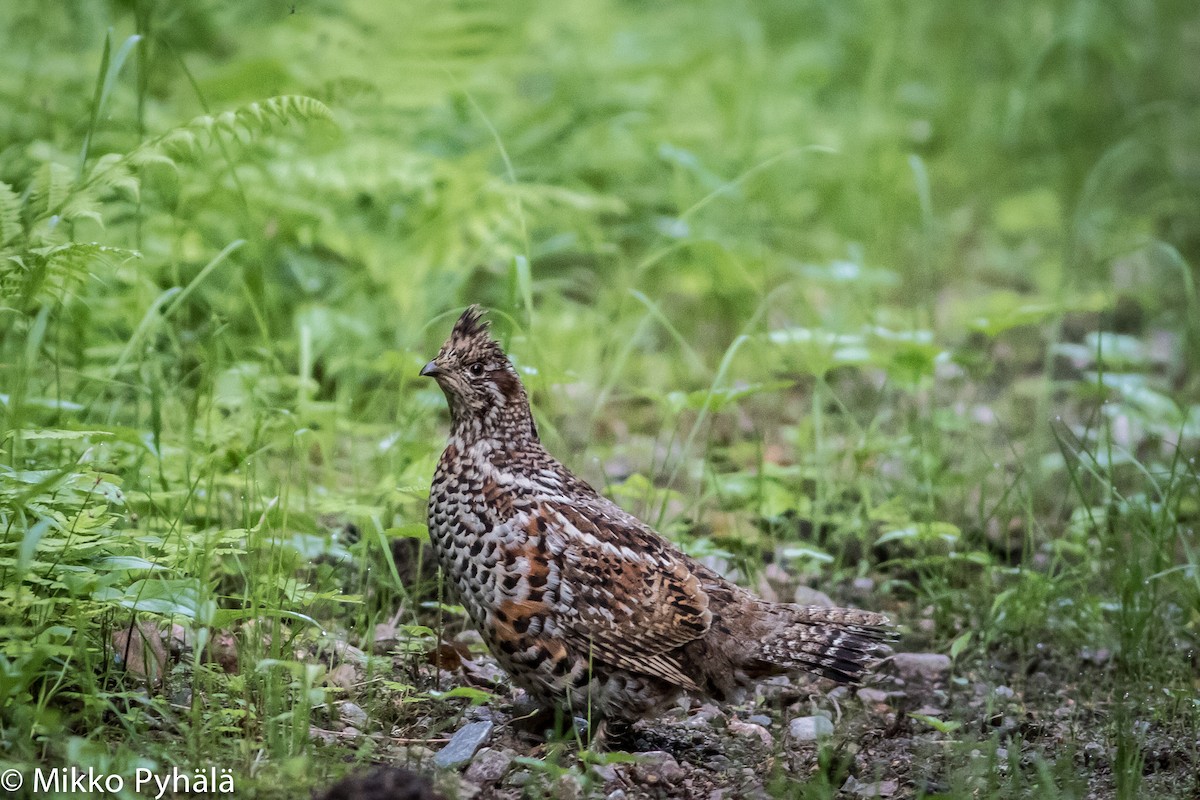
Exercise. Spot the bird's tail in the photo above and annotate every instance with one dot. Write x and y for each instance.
(838, 643)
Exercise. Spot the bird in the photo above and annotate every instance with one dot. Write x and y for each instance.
(586, 607)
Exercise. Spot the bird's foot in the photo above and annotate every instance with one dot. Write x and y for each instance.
(538, 724)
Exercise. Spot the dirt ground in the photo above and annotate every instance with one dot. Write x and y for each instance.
(918, 730)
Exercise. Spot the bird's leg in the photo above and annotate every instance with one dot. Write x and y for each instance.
(613, 733)
(547, 724)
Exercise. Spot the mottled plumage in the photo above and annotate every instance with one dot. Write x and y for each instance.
(583, 604)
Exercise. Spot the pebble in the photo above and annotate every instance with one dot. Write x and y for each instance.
(343, 676)
(921, 666)
(1004, 693)
(808, 596)
(352, 714)
(567, 787)
(750, 729)
(605, 773)
(869, 695)
(658, 768)
(809, 729)
(878, 789)
(463, 744)
(760, 719)
(704, 716)
(489, 765)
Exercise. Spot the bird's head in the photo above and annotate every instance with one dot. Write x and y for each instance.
(483, 389)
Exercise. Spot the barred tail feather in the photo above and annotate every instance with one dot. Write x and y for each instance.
(838, 643)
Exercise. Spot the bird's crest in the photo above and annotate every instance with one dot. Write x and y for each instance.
(470, 325)
(470, 339)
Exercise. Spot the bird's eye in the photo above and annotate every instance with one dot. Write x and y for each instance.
(476, 369)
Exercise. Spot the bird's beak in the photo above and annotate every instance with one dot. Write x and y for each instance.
(432, 370)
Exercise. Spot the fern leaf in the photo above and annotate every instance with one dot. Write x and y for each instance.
(10, 215)
(51, 186)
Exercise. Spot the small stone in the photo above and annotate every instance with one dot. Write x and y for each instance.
(877, 789)
(808, 596)
(343, 676)
(520, 777)
(658, 768)
(760, 719)
(463, 745)
(352, 714)
(1004, 693)
(869, 695)
(605, 773)
(752, 730)
(703, 716)
(809, 729)
(776, 573)
(863, 585)
(489, 766)
(1098, 657)
(616, 794)
(765, 590)
(322, 736)
(567, 787)
(922, 666)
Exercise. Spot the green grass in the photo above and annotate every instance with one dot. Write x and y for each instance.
(905, 293)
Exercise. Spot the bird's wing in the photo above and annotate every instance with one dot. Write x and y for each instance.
(626, 597)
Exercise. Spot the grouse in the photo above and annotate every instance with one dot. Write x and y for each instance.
(585, 606)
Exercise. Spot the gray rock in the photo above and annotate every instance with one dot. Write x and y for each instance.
(704, 716)
(616, 794)
(463, 745)
(877, 789)
(658, 768)
(567, 787)
(605, 773)
(922, 666)
(489, 766)
(351, 714)
(869, 695)
(518, 777)
(808, 596)
(809, 729)
(751, 730)
(760, 719)
(863, 585)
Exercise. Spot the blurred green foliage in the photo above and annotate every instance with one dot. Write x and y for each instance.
(899, 287)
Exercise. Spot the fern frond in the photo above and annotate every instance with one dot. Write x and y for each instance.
(10, 215)
(50, 188)
(112, 171)
(247, 121)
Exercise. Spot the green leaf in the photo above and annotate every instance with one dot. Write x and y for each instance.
(117, 563)
(942, 726)
(960, 644)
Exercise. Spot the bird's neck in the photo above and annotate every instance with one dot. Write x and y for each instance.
(509, 425)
